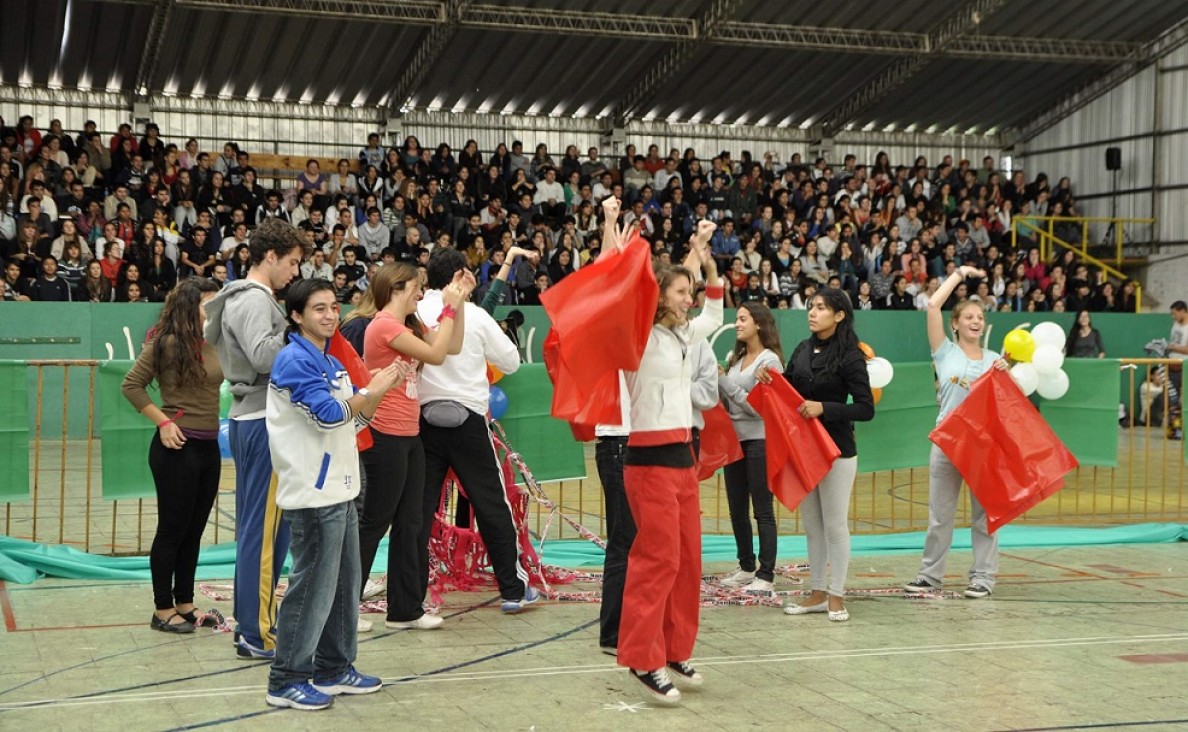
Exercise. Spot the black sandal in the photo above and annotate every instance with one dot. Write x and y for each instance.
(166, 627)
(191, 617)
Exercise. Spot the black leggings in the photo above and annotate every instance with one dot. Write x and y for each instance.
(395, 468)
(187, 481)
(746, 487)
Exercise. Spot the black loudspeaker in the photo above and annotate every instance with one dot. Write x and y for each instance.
(1113, 158)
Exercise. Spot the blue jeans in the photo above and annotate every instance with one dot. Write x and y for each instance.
(317, 626)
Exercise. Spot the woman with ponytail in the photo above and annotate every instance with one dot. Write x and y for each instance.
(661, 598)
(395, 466)
(829, 371)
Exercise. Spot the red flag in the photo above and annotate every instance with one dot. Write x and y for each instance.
(601, 316)
(719, 443)
(799, 451)
(342, 349)
(1009, 456)
(579, 404)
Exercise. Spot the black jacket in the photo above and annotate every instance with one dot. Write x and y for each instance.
(809, 375)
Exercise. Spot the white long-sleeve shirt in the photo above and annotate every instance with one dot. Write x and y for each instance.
(463, 377)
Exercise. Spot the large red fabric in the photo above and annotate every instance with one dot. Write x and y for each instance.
(719, 443)
(582, 405)
(1009, 456)
(799, 451)
(600, 317)
(342, 349)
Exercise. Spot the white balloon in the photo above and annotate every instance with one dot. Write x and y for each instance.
(881, 372)
(1053, 386)
(1048, 333)
(1048, 359)
(1026, 377)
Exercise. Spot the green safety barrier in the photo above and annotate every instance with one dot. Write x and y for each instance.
(126, 437)
(1086, 418)
(14, 432)
(897, 437)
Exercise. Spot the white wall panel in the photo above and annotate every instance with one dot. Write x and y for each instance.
(1124, 111)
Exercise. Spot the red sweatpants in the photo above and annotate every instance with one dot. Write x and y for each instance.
(662, 596)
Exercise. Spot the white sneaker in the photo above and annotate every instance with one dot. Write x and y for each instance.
(364, 625)
(737, 579)
(425, 622)
(759, 587)
(375, 588)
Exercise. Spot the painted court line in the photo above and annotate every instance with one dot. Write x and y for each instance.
(710, 662)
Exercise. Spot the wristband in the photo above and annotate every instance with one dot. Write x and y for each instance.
(180, 413)
(448, 312)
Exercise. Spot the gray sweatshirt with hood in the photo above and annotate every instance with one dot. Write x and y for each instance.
(247, 327)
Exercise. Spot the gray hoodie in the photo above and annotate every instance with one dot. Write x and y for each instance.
(247, 327)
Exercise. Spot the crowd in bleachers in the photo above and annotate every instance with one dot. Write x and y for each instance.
(97, 218)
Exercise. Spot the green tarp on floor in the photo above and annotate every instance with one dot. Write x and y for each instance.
(23, 562)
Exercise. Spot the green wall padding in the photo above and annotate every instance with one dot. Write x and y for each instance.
(14, 432)
(547, 444)
(897, 437)
(1086, 418)
(126, 438)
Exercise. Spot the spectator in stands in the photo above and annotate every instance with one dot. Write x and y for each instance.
(97, 285)
(373, 153)
(1084, 341)
(343, 181)
(312, 179)
(49, 287)
(198, 254)
(14, 286)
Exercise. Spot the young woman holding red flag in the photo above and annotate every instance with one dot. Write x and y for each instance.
(756, 349)
(662, 594)
(958, 365)
(829, 371)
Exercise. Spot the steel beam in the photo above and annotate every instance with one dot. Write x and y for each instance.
(427, 53)
(673, 60)
(1170, 40)
(938, 41)
(150, 55)
(578, 23)
(421, 12)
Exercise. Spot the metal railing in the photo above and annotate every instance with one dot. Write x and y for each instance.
(1043, 229)
(1148, 484)
(65, 476)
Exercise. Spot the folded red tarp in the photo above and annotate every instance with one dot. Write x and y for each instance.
(342, 349)
(601, 316)
(1009, 456)
(799, 451)
(719, 443)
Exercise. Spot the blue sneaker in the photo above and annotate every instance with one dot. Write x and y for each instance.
(511, 607)
(350, 682)
(247, 652)
(299, 696)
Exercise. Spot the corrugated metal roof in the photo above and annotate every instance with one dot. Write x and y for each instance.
(97, 44)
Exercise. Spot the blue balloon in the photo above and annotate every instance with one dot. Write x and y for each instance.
(225, 439)
(498, 402)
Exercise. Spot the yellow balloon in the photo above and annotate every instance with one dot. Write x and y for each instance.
(1019, 345)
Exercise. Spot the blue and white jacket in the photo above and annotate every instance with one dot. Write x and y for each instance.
(311, 431)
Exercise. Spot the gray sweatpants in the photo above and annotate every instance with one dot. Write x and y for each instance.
(944, 491)
(825, 515)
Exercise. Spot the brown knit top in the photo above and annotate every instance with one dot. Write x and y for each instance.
(199, 402)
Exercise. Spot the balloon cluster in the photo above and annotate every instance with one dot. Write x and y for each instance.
(1039, 359)
(498, 401)
(878, 369)
(225, 399)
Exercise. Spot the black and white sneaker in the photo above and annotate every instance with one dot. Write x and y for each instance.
(976, 591)
(685, 674)
(659, 687)
(919, 585)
